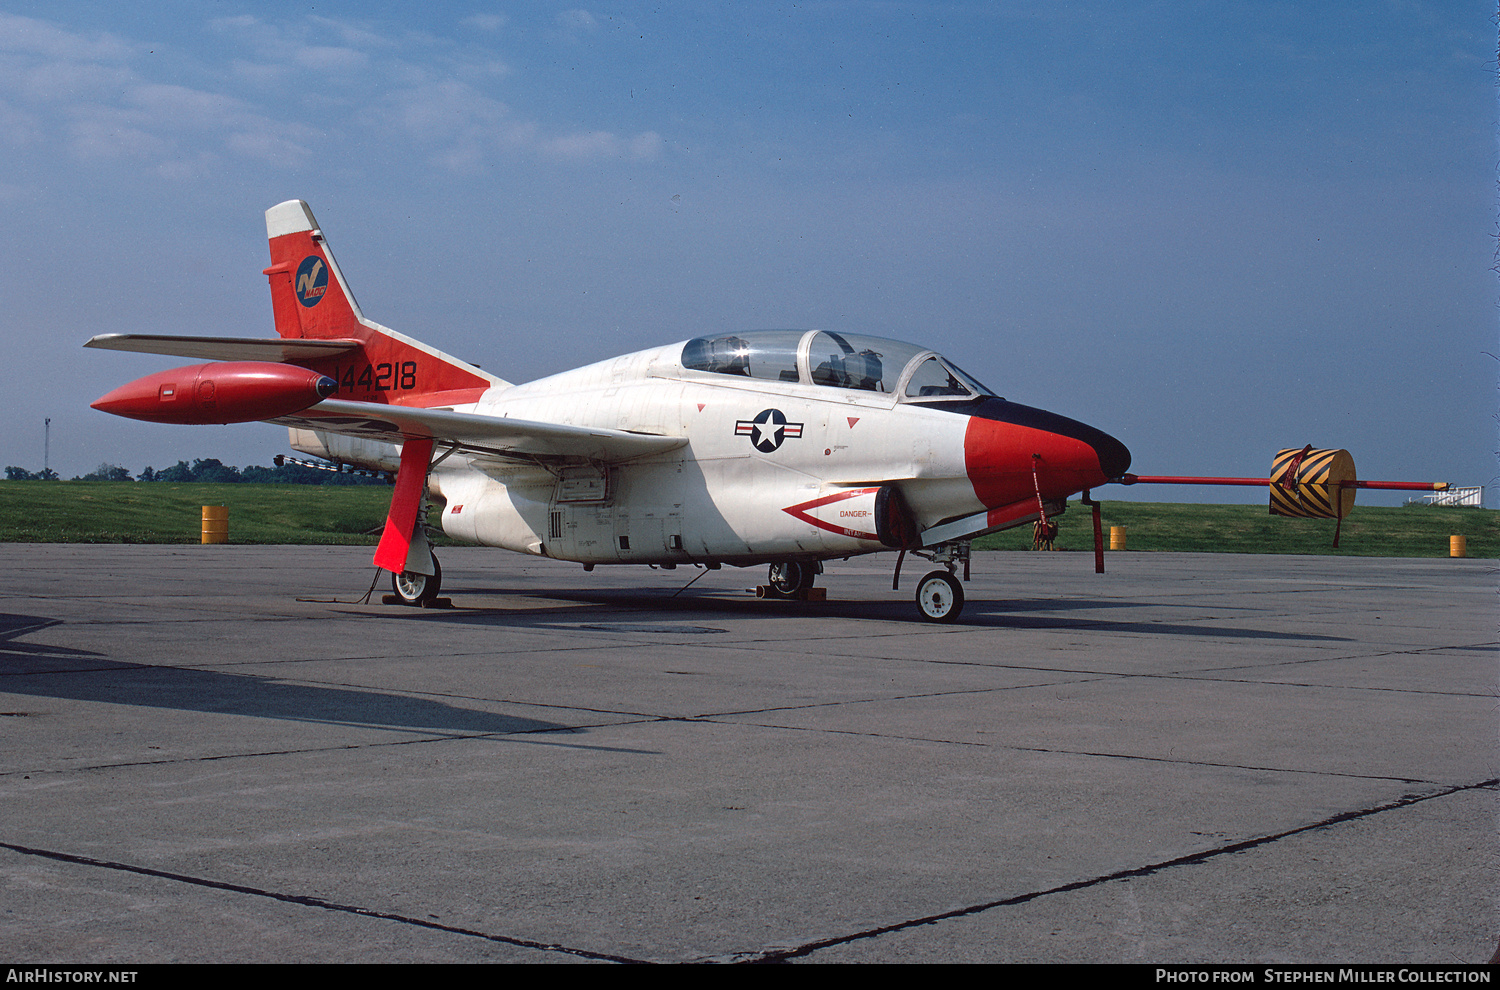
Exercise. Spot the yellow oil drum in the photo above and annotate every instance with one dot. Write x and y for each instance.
(1309, 483)
(1117, 537)
(1458, 546)
(215, 524)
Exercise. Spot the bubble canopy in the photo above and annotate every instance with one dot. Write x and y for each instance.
(835, 360)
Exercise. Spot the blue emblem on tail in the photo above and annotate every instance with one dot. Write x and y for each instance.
(312, 280)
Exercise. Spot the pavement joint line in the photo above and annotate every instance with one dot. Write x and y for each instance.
(1191, 859)
(1203, 675)
(518, 736)
(1306, 684)
(727, 717)
(1225, 766)
(306, 900)
(777, 955)
(986, 744)
(707, 718)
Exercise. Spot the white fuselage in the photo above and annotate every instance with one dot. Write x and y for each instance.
(725, 495)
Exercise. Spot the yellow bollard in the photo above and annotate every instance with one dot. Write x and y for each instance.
(1117, 537)
(1458, 546)
(215, 524)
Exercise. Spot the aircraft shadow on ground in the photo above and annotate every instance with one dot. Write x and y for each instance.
(999, 614)
(41, 671)
(13, 626)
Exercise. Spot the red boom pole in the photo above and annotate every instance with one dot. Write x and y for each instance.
(1167, 479)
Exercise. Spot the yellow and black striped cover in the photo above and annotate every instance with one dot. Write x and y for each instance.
(1308, 483)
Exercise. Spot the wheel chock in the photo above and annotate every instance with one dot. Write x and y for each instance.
(435, 603)
(800, 595)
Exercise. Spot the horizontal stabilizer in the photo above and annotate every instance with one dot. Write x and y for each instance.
(473, 433)
(223, 348)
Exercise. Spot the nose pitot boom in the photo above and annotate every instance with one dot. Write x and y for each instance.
(1013, 451)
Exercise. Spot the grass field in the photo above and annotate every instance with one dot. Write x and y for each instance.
(1369, 531)
(125, 512)
(162, 512)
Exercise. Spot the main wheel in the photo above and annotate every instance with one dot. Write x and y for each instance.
(940, 597)
(418, 589)
(792, 576)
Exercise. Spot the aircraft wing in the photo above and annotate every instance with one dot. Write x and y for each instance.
(476, 434)
(223, 348)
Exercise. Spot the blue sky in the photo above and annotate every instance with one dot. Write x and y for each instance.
(1213, 230)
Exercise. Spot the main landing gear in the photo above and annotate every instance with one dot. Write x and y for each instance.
(789, 577)
(421, 590)
(792, 579)
(940, 594)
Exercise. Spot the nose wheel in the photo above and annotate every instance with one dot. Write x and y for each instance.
(940, 597)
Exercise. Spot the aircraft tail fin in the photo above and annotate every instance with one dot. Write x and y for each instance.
(311, 300)
(308, 292)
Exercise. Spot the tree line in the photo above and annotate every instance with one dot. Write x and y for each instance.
(207, 469)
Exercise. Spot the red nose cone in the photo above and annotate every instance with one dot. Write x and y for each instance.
(219, 392)
(1011, 451)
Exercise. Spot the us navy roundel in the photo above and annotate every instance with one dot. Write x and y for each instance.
(312, 280)
(767, 430)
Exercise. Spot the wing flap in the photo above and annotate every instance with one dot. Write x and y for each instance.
(223, 348)
(478, 434)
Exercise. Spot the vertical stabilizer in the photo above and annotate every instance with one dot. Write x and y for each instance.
(308, 292)
(311, 299)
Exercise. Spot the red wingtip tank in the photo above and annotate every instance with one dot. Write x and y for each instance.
(219, 392)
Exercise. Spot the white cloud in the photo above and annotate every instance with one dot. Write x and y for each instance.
(578, 20)
(647, 145)
(260, 73)
(58, 81)
(445, 109)
(603, 144)
(245, 130)
(191, 169)
(242, 22)
(25, 34)
(350, 34)
(325, 58)
(102, 98)
(102, 133)
(485, 22)
(178, 106)
(19, 128)
(269, 145)
(303, 45)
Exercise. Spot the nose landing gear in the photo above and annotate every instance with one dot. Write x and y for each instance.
(940, 596)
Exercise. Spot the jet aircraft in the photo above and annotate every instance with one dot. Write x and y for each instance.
(781, 448)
